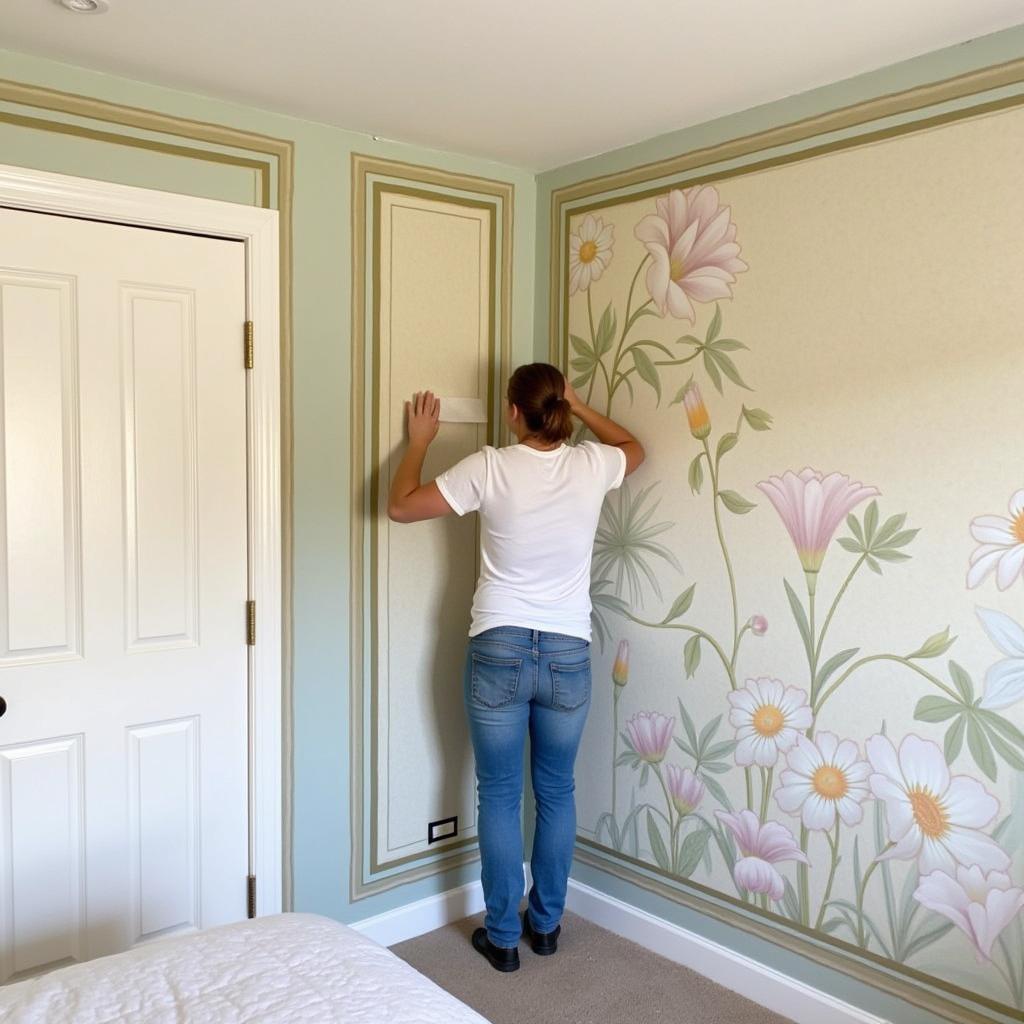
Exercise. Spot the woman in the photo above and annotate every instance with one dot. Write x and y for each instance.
(528, 664)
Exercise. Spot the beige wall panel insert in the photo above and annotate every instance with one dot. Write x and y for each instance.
(434, 332)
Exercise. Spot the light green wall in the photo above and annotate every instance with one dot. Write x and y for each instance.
(321, 368)
(958, 60)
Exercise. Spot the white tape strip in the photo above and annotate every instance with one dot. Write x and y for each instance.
(463, 410)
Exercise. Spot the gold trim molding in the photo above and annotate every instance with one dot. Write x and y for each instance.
(484, 192)
(281, 151)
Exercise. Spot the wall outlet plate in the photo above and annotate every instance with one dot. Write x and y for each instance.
(443, 828)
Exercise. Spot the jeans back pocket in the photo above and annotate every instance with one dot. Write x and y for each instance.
(494, 680)
(570, 685)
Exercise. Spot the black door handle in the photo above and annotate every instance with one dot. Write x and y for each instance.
(3, 707)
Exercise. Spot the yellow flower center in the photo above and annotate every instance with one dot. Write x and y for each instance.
(676, 269)
(829, 782)
(588, 251)
(1017, 528)
(929, 814)
(768, 720)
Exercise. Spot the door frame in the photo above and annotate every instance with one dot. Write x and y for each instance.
(257, 228)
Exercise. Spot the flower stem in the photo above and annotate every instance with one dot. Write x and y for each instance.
(803, 871)
(835, 604)
(615, 752)
(834, 844)
(626, 324)
(725, 551)
(861, 889)
(766, 792)
(899, 659)
(704, 635)
(668, 804)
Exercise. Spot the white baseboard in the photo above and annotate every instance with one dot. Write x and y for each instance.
(423, 916)
(770, 988)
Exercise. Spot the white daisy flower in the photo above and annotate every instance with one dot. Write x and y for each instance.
(1004, 681)
(768, 717)
(590, 252)
(932, 816)
(823, 778)
(1000, 546)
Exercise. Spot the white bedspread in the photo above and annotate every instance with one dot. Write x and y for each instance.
(285, 969)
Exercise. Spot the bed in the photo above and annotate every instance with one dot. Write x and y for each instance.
(284, 969)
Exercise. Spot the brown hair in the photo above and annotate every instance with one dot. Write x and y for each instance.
(538, 390)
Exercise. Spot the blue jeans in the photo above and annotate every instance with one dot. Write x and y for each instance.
(517, 681)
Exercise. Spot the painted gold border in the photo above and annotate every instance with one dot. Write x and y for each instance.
(499, 193)
(907, 983)
(282, 151)
(491, 207)
(907, 101)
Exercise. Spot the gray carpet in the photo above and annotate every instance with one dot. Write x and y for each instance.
(594, 978)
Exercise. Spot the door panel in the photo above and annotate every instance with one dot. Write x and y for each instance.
(123, 787)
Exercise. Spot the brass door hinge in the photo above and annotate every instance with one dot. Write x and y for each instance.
(250, 623)
(250, 895)
(249, 347)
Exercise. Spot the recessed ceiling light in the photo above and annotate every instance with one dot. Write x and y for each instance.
(86, 6)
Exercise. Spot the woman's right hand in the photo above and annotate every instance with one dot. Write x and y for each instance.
(572, 398)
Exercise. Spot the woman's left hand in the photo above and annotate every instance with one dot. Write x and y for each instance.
(424, 413)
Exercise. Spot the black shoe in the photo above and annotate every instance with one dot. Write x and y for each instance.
(542, 943)
(500, 959)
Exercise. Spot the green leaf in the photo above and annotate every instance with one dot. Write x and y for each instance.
(728, 345)
(849, 544)
(706, 733)
(696, 474)
(898, 540)
(582, 346)
(1003, 749)
(926, 939)
(954, 740)
(736, 502)
(853, 524)
(936, 709)
(715, 326)
(873, 565)
(980, 748)
(689, 339)
(758, 419)
(726, 443)
(832, 664)
(684, 747)
(681, 604)
(691, 655)
(790, 902)
(801, 618)
(962, 681)
(654, 344)
(892, 525)
(579, 363)
(720, 749)
(684, 717)
(715, 789)
(1000, 724)
(728, 367)
(680, 393)
(890, 555)
(936, 644)
(605, 331)
(692, 849)
(871, 521)
(712, 370)
(657, 843)
(578, 382)
(646, 369)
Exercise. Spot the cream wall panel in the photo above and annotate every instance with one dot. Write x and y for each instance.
(434, 331)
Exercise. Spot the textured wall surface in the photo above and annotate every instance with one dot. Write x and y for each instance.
(813, 586)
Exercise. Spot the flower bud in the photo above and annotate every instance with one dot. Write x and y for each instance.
(620, 670)
(696, 412)
(758, 625)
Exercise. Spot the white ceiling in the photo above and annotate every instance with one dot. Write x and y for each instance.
(534, 83)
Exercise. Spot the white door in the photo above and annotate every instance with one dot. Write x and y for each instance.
(123, 658)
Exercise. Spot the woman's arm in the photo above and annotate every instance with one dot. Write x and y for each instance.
(607, 431)
(410, 501)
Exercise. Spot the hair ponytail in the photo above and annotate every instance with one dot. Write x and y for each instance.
(538, 391)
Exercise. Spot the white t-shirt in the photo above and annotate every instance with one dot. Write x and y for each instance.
(538, 516)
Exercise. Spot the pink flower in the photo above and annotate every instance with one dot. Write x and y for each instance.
(693, 247)
(620, 669)
(812, 505)
(758, 625)
(685, 789)
(762, 846)
(650, 734)
(980, 905)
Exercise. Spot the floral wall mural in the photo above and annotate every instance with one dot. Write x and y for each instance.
(809, 603)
